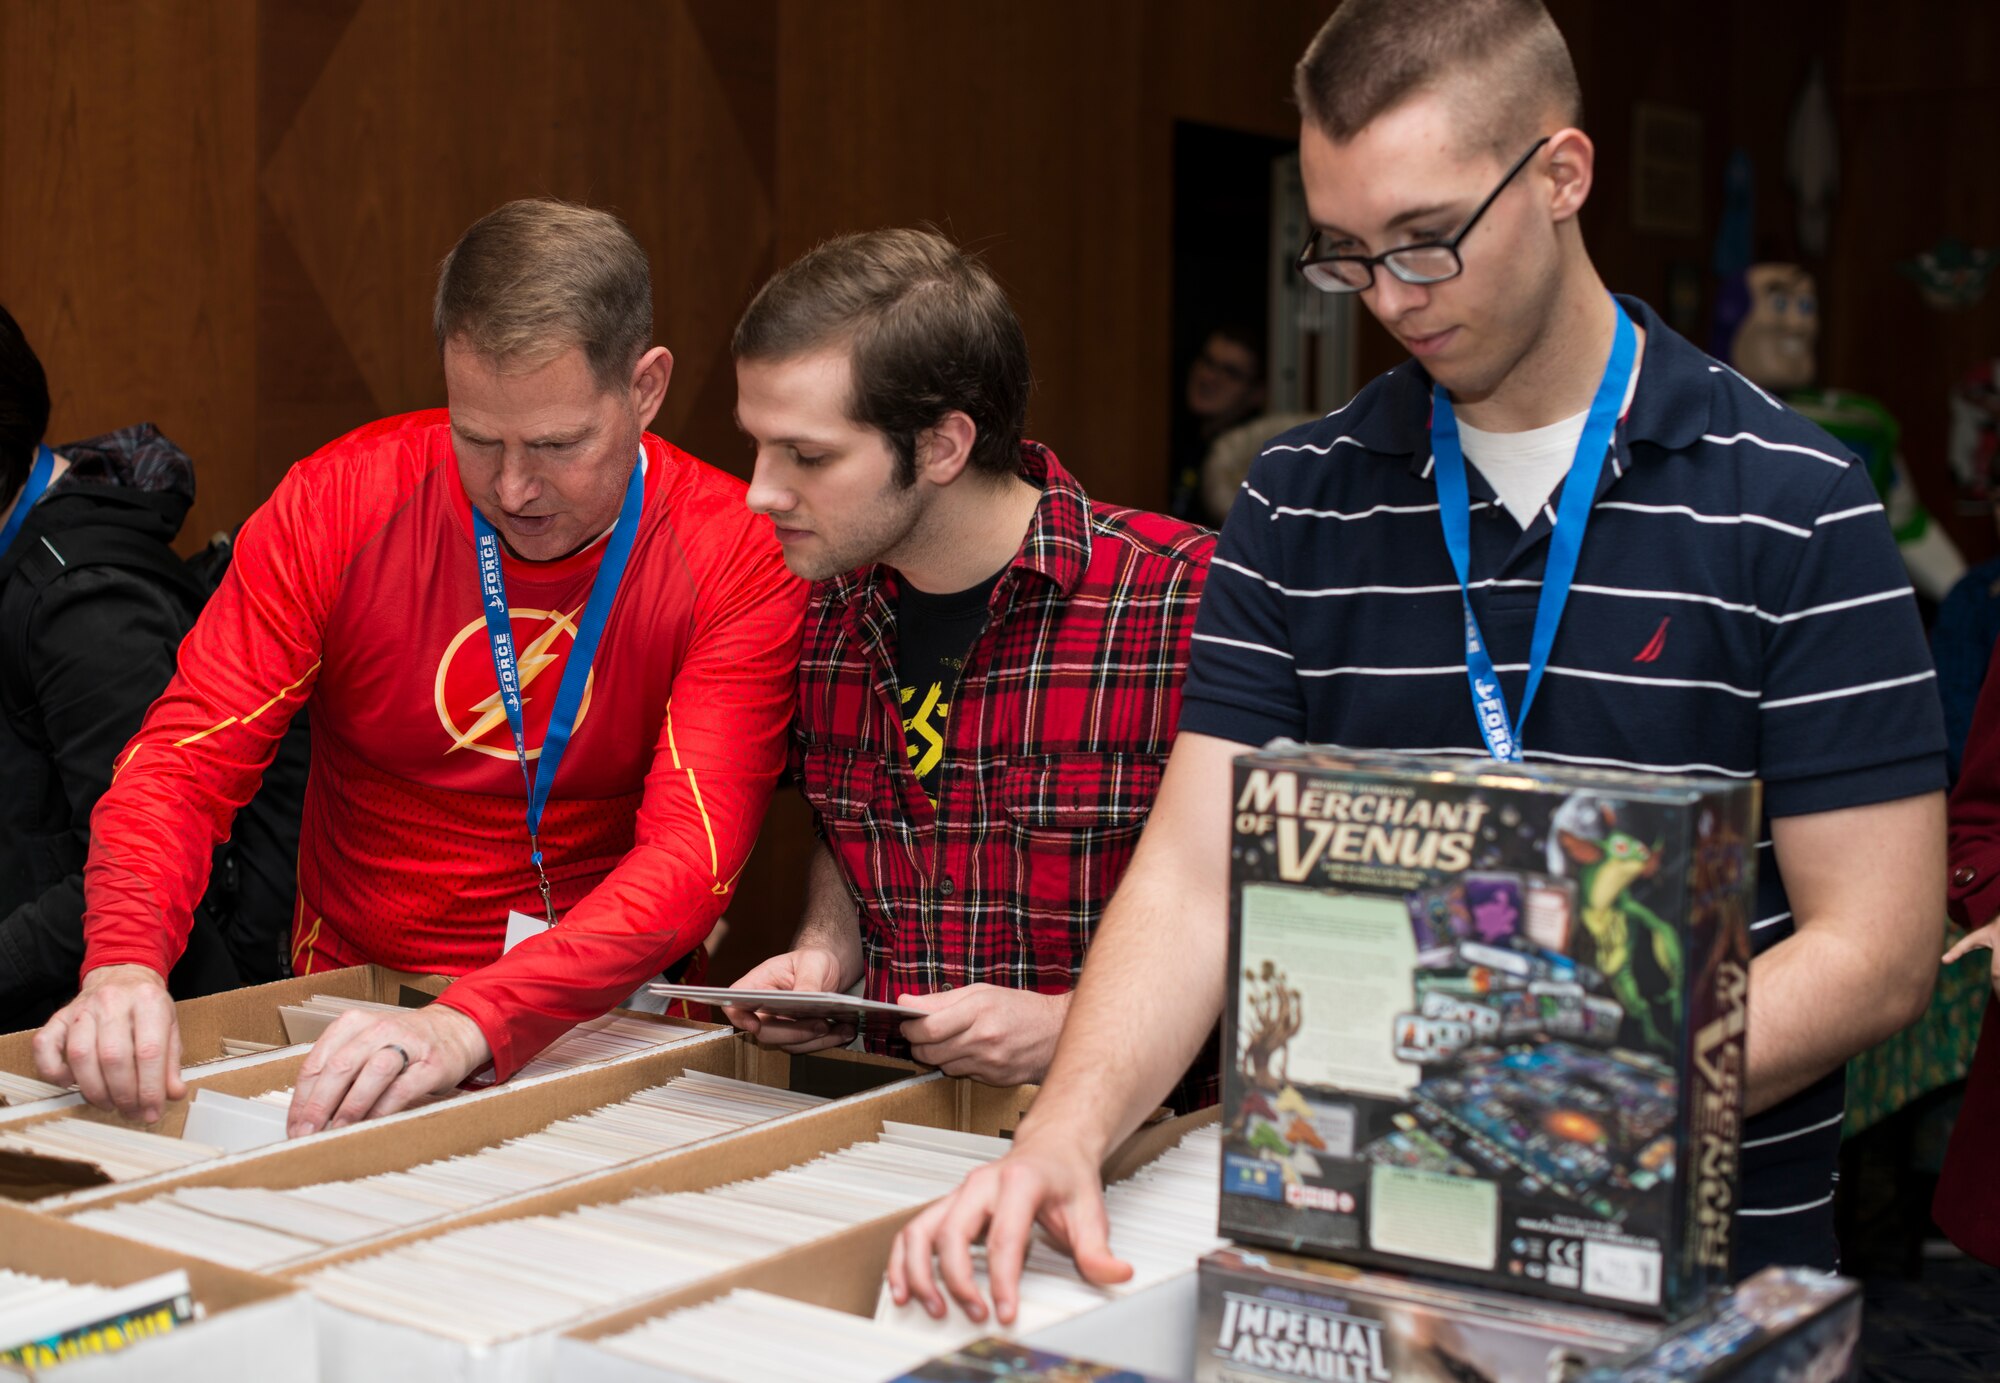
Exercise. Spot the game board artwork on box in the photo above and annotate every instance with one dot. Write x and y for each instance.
(1487, 1021)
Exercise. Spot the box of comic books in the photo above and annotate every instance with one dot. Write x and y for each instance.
(1485, 1021)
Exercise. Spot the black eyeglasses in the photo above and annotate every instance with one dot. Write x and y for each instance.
(1434, 261)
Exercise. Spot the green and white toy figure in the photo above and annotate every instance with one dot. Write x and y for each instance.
(1767, 329)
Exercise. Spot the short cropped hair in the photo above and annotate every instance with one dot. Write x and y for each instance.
(1373, 55)
(24, 407)
(928, 330)
(537, 276)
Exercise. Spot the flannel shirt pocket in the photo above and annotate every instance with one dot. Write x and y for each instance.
(843, 785)
(1074, 821)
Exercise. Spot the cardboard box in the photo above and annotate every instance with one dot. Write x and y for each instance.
(357, 1348)
(1784, 1325)
(62, 1193)
(249, 1014)
(486, 1118)
(1150, 1331)
(1277, 1316)
(1485, 1021)
(254, 1330)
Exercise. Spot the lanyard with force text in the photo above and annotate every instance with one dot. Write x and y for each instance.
(576, 670)
(1489, 704)
(38, 481)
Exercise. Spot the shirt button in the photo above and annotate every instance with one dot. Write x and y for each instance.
(1964, 875)
(946, 887)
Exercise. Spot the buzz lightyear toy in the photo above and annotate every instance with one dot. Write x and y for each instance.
(1767, 329)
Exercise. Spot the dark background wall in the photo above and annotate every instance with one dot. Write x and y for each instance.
(225, 217)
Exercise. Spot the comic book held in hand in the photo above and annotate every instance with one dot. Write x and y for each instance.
(794, 1003)
(1486, 1021)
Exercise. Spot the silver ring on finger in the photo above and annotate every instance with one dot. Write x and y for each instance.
(392, 1047)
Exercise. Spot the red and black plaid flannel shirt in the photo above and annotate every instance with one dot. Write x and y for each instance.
(1057, 737)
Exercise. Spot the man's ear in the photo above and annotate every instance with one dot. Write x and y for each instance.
(945, 448)
(649, 383)
(1572, 162)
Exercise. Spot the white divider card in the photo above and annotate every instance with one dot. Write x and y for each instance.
(253, 1227)
(305, 1022)
(508, 1278)
(26, 1089)
(45, 1320)
(749, 1334)
(124, 1154)
(1163, 1220)
(233, 1123)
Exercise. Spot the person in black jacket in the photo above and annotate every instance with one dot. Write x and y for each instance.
(93, 604)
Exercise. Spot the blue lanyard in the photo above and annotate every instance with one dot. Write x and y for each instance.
(38, 481)
(1489, 704)
(576, 671)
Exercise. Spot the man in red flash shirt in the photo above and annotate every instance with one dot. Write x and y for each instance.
(530, 537)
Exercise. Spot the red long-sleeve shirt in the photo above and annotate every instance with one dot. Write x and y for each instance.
(355, 589)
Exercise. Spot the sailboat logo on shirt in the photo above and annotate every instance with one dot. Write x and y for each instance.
(467, 693)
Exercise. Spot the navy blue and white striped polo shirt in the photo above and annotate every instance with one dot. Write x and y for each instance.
(1739, 610)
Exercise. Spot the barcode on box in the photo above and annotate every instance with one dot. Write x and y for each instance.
(1622, 1272)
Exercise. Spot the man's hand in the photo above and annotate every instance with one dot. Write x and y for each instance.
(117, 1041)
(993, 1034)
(370, 1063)
(1988, 938)
(1053, 1182)
(808, 969)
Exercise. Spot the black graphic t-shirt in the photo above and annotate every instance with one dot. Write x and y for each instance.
(933, 635)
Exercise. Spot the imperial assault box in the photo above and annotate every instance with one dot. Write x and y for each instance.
(1785, 1325)
(1485, 1022)
(1275, 1316)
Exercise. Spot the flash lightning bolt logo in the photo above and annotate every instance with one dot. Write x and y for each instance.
(488, 713)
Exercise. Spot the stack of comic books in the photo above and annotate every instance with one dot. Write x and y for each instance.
(48, 1321)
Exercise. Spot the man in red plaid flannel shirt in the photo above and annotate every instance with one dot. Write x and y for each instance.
(992, 663)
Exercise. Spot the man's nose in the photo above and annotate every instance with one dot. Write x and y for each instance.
(766, 494)
(1390, 299)
(518, 484)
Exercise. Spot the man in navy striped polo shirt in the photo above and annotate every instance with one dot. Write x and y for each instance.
(1737, 608)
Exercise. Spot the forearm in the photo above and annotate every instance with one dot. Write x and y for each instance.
(656, 906)
(1151, 989)
(831, 922)
(1866, 887)
(1818, 998)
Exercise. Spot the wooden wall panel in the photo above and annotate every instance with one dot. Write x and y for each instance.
(126, 223)
(391, 135)
(227, 217)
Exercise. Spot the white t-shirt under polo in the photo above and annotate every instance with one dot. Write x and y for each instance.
(1524, 468)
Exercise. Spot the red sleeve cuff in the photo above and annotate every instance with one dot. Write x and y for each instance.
(505, 1060)
(1975, 891)
(97, 957)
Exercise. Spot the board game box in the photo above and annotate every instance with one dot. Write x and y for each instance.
(1485, 1021)
(1271, 1316)
(1784, 1325)
(999, 1360)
